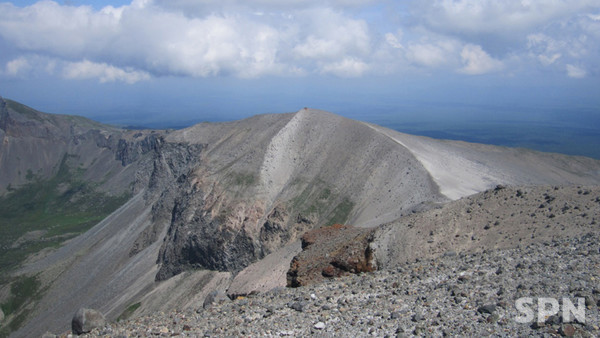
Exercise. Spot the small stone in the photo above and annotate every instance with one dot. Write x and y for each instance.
(492, 318)
(418, 317)
(567, 330)
(319, 326)
(298, 306)
(186, 328)
(488, 308)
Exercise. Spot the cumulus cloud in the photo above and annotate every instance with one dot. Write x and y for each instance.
(477, 61)
(498, 17)
(348, 67)
(146, 37)
(17, 66)
(550, 32)
(254, 38)
(103, 72)
(432, 54)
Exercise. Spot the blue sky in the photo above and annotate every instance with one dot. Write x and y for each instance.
(191, 60)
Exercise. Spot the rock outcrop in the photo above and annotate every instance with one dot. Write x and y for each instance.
(85, 320)
(33, 144)
(333, 251)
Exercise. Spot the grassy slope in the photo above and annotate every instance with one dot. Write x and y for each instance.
(63, 206)
(58, 209)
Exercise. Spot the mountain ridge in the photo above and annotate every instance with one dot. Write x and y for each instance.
(214, 205)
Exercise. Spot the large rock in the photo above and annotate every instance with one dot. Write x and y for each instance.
(215, 297)
(85, 320)
(332, 251)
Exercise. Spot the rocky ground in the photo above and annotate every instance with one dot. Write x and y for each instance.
(456, 294)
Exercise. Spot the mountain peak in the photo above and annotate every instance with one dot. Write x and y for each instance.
(213, 200)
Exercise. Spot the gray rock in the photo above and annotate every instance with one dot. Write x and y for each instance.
(1, 316)
(319, 326)
(418, 317)
(488, 308)
(215, 297)
(298, 306)
(85, 320)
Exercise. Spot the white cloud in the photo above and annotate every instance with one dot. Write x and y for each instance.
(547, 60)
(575, 72)
(330, 36)
(476, 61)
(16, 66)
(348, 67)
(393, 41)
(103, 72)
(432, 54)
(551, 33)
(497, 17)
(149, 39)
(546, 49)
(254, 38)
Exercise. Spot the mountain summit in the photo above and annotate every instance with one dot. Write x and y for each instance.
(222, 206)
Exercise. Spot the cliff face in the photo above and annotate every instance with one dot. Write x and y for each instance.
(34, 144)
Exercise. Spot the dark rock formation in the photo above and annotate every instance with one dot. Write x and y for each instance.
(85, 320)
(332, 251)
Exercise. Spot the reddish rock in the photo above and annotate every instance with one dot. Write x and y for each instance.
(330, 252)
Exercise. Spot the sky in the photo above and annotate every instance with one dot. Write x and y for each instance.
(180, 61)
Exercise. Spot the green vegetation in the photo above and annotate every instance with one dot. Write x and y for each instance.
(129, 311)
(341, 212)
(51, 211)
(244, 179)
(315, 200)
(23, 290)
(41, 214)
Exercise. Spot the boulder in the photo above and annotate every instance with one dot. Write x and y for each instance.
(330, 252)
(215, 297)
(85, 320)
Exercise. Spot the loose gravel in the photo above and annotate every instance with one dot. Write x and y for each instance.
(454, 295)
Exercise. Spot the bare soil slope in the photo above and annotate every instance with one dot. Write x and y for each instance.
(498, 218)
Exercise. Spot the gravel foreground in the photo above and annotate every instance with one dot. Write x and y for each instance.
(456, 295)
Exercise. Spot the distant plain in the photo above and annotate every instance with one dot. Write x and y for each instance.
(571, 133)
